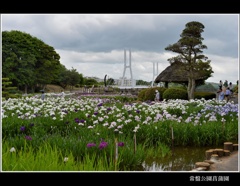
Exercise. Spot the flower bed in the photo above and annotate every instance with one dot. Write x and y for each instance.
(94, 127)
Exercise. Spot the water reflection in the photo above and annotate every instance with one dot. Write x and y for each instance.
(183, 159)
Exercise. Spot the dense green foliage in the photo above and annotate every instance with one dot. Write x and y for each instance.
(175, 93)
(7, 90)
(148, 94)
(141, 95)
(205, 95)
(28, 61)
(31, 64)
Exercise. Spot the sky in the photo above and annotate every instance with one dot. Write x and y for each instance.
(94, 44)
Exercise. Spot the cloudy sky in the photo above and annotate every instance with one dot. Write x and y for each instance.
(94, 44)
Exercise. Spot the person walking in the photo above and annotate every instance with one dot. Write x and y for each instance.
(227, 94)
(225, 84)
(231, 87)
(43, 95)
(221, 95)
(220, 84)
(157, 96)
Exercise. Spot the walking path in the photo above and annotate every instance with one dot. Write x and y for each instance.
(226, 163)
(234, 98)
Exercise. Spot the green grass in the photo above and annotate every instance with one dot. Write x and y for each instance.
(47, 158)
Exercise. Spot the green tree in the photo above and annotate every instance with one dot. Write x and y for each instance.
(63, 79)
(60, 78)
(110, 81)
(28, 61)
(47, 66)
(90, 81)
(70, 77)
(7, 89)
(142, 82)
(74, 77)
(190, 49)
(18, 58)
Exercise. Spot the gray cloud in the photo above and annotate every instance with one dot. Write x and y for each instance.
(94, 43)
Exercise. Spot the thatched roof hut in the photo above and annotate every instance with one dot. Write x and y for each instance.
(176, 73)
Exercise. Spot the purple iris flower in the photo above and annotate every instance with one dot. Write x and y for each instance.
(28, 137)
(100, 104)
(76, 120)
(89, 145)
(22, 128)
(81, 120)
(102, 145)
(65, 111)
(120, 144)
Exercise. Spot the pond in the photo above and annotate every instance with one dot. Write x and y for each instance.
(182, 159)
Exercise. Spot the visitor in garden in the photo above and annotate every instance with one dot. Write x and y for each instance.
(157, 96)
(220, 84)
(231, 87)
(227, 94)
(221, 95)
(43, 95)
(225, 84)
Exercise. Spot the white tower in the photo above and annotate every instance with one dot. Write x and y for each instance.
(127, 66)
(155, 71)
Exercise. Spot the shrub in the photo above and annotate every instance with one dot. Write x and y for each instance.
(125, 99)
(149, 93)
(205, 95)
(175, 93)
(141, 95)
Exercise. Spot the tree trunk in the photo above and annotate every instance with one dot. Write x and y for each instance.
(191, 88)
(26, 89)
(166, 85)
(33, 89)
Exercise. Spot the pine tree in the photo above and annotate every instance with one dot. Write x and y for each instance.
(190, 49)
(7, 90)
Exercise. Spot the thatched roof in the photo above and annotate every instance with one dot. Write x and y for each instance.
(176, 72)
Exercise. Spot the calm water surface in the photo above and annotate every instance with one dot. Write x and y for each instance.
(183, 159)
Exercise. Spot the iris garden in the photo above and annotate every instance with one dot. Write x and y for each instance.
(91, 133)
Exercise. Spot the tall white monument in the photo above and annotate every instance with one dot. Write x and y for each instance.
(155, 71)
(127, 66)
